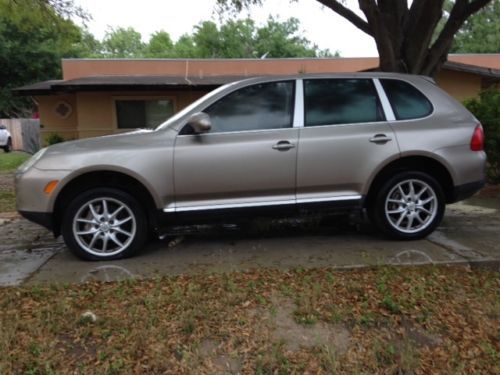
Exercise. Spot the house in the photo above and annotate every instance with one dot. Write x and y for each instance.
(106, 96)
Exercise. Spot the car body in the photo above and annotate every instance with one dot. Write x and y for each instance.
(5, 139)
(393, 144)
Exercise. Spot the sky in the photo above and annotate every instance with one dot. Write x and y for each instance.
(319, 24)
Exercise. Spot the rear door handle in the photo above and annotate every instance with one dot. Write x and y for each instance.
(283, 146)
(380, 138)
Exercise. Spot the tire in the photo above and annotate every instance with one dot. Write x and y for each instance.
(8, 146)
(104, 224)
(403, 215)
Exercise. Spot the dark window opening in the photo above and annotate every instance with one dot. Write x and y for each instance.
(406, 101)
(132, 114)
(341, 101)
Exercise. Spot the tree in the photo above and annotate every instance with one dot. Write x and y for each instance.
(32, 44)
(403, 33)
(243, 39)
(122, 43)
(480, 33)
(160, 45)
(282, 39)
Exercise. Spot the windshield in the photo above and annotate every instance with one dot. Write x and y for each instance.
(193, 105)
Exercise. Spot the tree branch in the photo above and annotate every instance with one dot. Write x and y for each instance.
(348, 14)
(458, 15)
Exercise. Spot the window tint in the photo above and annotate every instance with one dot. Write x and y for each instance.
(262, 106)
(131, 114)
(407, 102)
(341, 101)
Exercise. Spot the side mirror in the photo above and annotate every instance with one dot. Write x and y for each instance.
(200, 123)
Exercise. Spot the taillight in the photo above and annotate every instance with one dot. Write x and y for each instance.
(477, 140)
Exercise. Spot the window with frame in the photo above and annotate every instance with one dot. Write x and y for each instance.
(341, 101)
(406, 100)
(145, 113)
(258, 107)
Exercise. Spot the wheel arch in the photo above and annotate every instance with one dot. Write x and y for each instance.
(419, 163)
(104, 178)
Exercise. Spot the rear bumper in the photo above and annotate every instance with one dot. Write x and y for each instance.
(42, 218)
(465, 191)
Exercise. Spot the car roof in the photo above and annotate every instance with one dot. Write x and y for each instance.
(270, 78)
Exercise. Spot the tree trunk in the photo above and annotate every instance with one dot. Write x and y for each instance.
(404, 35)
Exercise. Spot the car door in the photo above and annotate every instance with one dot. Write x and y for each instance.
(247, 159)
(345, 138)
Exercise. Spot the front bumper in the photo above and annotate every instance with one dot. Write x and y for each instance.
(44, 219)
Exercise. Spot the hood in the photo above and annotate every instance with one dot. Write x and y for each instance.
(119, 149)
(129, 139)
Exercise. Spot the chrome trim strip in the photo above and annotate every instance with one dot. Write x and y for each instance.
(330, 199)
(260, 204)
(230, 205)
(386, 105)
(298, 114)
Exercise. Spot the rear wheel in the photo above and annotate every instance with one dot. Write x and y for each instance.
(409, 206)
(104, 224)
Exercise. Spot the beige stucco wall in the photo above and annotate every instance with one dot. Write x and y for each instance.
(458, 84)
(52, 122)
(94, 112)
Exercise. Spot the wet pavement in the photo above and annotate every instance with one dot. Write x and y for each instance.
(469, 234)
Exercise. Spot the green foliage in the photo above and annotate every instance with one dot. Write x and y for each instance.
(244, 39)
(33, 39)
(123, 43)
(487, 109)
(54, 138)
(480, 33)
(233, 39)
(160, 45)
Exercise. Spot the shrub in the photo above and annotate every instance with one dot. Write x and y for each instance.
(54, 138)
(487, 110)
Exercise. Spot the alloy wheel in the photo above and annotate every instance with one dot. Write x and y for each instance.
(104, 226)
(411, 206)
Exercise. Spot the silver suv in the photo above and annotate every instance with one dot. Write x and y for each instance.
(395, 145)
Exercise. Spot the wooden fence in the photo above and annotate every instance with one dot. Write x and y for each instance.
(25, 134)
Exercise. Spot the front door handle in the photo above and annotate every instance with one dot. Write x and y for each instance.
(380, 138)
(283, 146)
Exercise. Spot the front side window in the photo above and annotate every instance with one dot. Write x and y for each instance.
(132, 114)
(257, 107)
(406, 101)
(341, 101)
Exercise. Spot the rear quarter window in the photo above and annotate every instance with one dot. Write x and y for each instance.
(407, 102)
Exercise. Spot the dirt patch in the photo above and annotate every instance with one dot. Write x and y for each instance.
(279, 319)
(220, 363)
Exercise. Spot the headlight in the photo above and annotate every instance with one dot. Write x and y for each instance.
(31, 161)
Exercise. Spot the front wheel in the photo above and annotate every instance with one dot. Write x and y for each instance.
(409, 206)
(104, 224)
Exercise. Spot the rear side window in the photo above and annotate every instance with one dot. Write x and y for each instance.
(341, 101)
(406, 101)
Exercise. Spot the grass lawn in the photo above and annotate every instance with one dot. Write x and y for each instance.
(8, 164)
(10, 161)
(385, 320)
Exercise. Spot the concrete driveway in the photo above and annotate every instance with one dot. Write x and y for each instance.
(469, 234)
